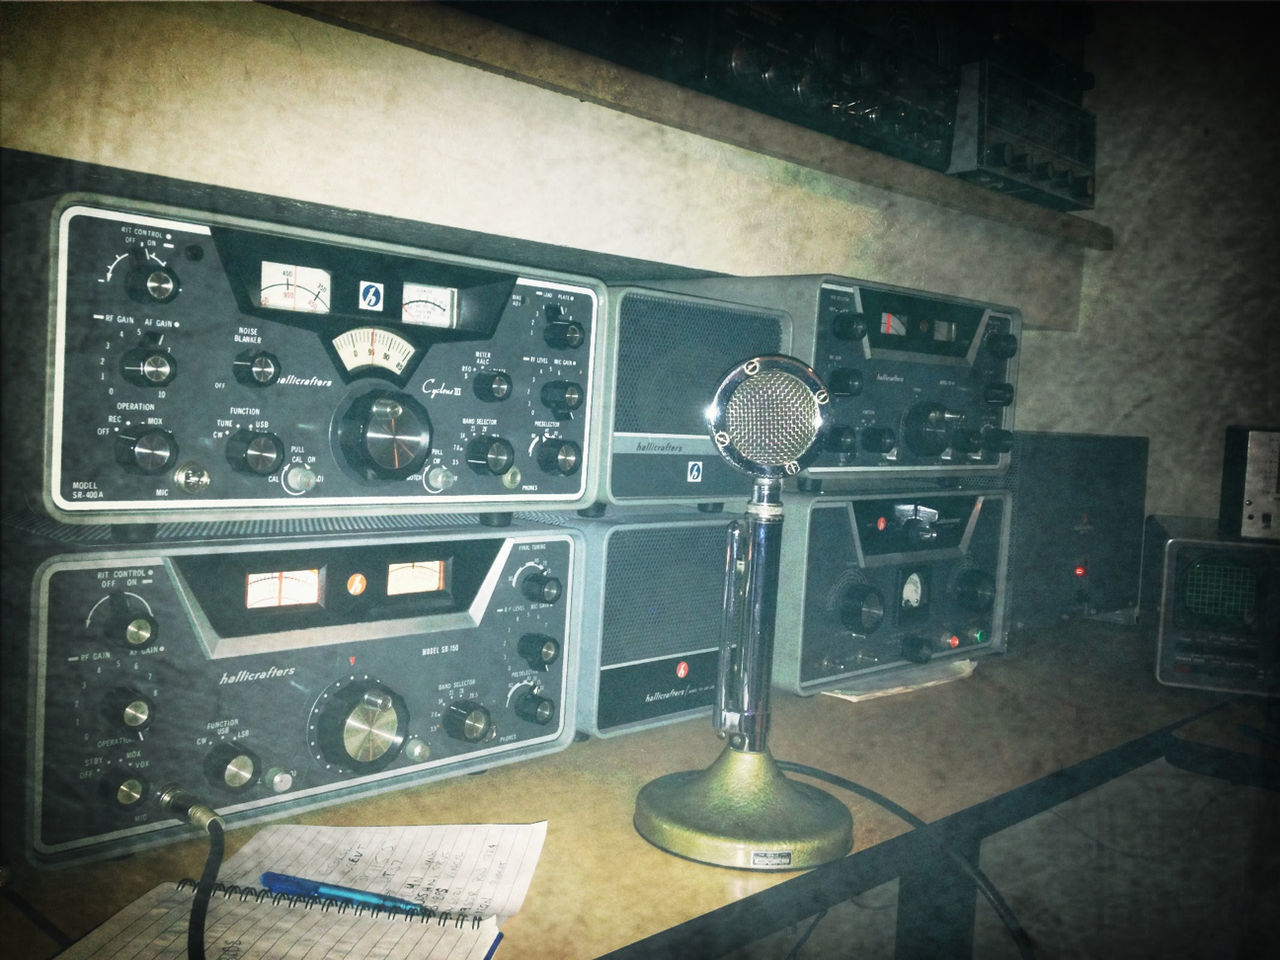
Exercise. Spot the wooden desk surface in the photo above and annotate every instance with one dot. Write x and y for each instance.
(1061, 696)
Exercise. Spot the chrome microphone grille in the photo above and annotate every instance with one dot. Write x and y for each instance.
(767, 415)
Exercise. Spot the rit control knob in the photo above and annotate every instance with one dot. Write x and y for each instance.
(559, 457)
(468, 721)
(491, 455)
(152, 282)
(128, 625)
(256, 368)
(362, 725)
(231, 767)
(539, 650)
(862, 608)
(149, 365)
(385, 435)
(256, 453)
(541, 587)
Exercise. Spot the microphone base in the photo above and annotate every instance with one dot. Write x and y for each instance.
(743, 812)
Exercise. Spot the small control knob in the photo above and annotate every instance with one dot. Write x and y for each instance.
(842, 440)
(559, 457)
(152, 283)
(468, 721)
(564, 334)
(998, 394)
(997, 441)
(278, 779)
(490, 454)
(878, 439)
(256, 453)
(916, 648)
(535, 708)
(538, 650)
(385, 435)
(492, 386)
(845, 382)
(562, 397)
(848, 325)
(150, 451)
(862, 608)
(1002, 345)
(998, 155)
(124, 787)
(541, 587)
(298, 478)
(927, 429)
(919, 533)
(966, 441)
(975, 590)
(125, 624)
(148, 366)
(256, 368)
(361, 726)
(231, 767)
(128, 709)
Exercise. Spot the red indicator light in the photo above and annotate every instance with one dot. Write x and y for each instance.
(682, 669)
(881, 523)
(953, 641)
(1081, 570)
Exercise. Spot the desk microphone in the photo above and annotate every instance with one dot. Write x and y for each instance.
(766, 418)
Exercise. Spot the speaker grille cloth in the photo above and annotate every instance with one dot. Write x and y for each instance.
(663, 593)
(671, 355)
(770, 418)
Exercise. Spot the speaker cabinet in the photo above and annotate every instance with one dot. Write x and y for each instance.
(654, 592)
(1212, 606)
(886, 582)
(668, 352)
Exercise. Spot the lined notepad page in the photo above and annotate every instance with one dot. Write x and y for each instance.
(475, 870)
(471, 878)
(154, 927)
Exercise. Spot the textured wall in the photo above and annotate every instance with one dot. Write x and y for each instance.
(1169, 340)
(1177, 332)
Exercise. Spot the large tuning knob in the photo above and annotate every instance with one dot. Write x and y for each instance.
(927, 429)
(385, 435)
(361, 726)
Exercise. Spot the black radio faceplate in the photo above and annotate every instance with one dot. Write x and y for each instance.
(224, 367)
(887, 582)
(271, 677)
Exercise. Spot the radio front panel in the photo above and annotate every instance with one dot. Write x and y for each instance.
(886, 583)
(922, 385)
(219, 367)
(270, 677)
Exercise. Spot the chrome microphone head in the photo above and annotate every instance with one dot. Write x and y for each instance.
(767, 415)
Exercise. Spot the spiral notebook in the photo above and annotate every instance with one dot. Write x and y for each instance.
(468, 879)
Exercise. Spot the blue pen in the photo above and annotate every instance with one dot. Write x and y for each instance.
(282, 883)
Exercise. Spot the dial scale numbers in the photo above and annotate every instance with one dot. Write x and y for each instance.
(210, 365)
(141, 683)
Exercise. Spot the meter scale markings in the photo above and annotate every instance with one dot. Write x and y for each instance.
(373, 347)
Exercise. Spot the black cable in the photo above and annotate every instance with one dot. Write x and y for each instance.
(972, 870)
(177, 801)
(204, 891)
